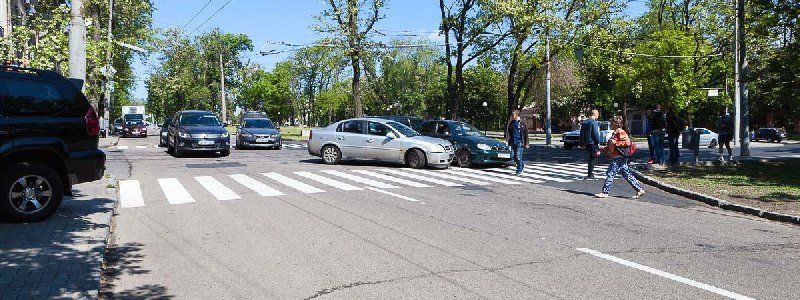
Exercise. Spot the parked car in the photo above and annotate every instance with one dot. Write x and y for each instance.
(768, 134)
(573, 138)
(48, 142)
(134, 129)
(471, 146)
(258, 132)
(117, 127)
(708, 138)
(162, 134)
(409, 121)
(379, 139)
(253, 115)
(197, 131)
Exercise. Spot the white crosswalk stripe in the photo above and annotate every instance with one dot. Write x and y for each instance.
(528, 173)
(481, 177)
(130, 194)
(216, 188)
(420, 177)
(295, 146)
(174, 191)
(391, 178)
(297, 185)
(122, 147)
(329, 182)
(546, 168)
(498, 175)
(448, 176)
(359, 179)
(255, 185)
(141, 147)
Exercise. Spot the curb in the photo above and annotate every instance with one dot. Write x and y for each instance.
(716, 202)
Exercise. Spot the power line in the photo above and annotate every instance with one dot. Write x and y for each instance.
(195, 15)
(211, 16)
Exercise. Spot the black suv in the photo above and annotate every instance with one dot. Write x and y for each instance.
(769, 135)
(48, 142)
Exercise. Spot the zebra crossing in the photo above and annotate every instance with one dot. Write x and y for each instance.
(231, 187)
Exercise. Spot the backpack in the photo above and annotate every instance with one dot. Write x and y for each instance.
(585, 132)
(623, 145)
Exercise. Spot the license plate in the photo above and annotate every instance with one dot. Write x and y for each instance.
(205, 143)
(263, 140)
(504, 155)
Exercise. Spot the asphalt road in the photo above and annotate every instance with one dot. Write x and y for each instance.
(250, 226)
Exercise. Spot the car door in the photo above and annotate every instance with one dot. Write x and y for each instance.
(5, 128)
(352, 139)
(381, 147)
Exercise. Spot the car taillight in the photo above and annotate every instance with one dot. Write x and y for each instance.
(92, 122)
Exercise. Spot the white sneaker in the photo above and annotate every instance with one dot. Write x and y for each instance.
(639, 194)
(601, 195)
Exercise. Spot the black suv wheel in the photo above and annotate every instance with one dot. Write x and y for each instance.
(29, 192)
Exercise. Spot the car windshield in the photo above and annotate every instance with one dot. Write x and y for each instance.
(258, 123)
(403, 129)
(134, 117)
(467, 129)
(199, 120)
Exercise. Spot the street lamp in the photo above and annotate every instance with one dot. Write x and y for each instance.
(484, 104)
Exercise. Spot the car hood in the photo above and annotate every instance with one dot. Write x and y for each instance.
(480, 140)
(204, 129)
(429, 141)
(270, 131)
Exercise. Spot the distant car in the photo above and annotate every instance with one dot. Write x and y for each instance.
(162, 134)
(471, 146)
(708, 138)
(573, 138)
(409, 121)
(769, 135)
(197, 131)
(134, 129)
(253, 115)
(117, 127)
(379, 139)
(258, 133)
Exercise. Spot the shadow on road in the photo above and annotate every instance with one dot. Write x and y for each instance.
(125, 259)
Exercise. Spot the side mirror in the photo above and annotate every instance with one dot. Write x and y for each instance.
(391, 135)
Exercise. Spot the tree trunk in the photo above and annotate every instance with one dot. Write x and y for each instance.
(358, 109)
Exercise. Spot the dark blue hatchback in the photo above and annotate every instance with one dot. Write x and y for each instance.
(471, 146)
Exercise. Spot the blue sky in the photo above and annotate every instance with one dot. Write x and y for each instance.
(289, 21)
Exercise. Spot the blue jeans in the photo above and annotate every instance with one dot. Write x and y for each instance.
(619, 164)
(517, 151)
(656, 142)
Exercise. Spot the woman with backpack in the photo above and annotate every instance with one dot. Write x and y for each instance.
(619, 148)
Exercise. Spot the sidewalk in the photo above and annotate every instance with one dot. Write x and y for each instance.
(108, 142)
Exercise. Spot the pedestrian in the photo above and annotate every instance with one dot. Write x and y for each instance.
(674, 128)
(590, 140)
(725, 133)
(658, 124)
(619, 150)
(517, 137)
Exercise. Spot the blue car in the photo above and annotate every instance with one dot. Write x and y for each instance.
(471, 146)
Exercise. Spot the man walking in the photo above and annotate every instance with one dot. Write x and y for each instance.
(517, 137)
(725, 134)
(674, 128)
(590, 140)
(658, 123)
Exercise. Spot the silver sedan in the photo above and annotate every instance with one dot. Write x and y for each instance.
(378, 139)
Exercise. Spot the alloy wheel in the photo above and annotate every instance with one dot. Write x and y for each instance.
(330, 155)
(30, 194)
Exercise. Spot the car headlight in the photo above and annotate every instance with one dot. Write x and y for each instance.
(225, 134)
(438, 149)
(183, 134)
(484, 147)
(245, 134)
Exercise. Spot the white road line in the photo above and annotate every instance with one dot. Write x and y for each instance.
(667, 275)
(584, 165)
(130, 194)
(255, 185)
(392, 194)
(547, 168)
(451, 177)
(420, 177)
(360, 179)
(391, 178)
(122, 147)
(530, 174)
(141, 147)
(581, 169)
(174, 191)
(481, 177)
(329, 182)
(216, 188)
(297, 185)
(498, 175)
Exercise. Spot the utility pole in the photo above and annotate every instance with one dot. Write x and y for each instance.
(222, 85)
(109, 69)
(744, 72)
(547, 122)
(77, 42)
(737, 110)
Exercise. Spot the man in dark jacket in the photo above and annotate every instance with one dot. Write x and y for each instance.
(674, 128)
(590, 139)
(658, 124)
(517, 137)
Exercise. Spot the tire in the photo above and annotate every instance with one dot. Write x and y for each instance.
(416, 159)
(770, 140)
(15, 207)
(568, 146)
(779, 140)
(161, 142)
(177, 152)
(331, 155)
(225, 153)
(464, 159)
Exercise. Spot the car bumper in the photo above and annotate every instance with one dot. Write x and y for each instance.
(85, 166)
(491, 156)
(199, 145)
(441, 159)
(252, 142)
